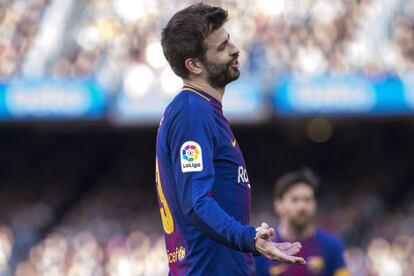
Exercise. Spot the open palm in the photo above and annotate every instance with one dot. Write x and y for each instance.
(281, 252)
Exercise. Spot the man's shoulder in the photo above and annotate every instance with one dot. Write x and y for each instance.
(189, 99)
(188, 105)
(330, 240)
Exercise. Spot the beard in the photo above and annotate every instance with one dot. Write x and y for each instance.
(301, 221)
(219, 75)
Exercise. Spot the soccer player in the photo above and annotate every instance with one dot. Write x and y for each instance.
(202, 183)
(295, 204)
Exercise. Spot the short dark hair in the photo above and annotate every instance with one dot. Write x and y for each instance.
(184, 34)
(288, 180)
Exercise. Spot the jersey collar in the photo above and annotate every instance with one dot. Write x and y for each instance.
(202, 94)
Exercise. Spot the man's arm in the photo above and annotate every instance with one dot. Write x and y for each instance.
(195, 179)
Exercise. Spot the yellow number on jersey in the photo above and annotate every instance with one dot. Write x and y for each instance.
(166, 217)
(342, 272)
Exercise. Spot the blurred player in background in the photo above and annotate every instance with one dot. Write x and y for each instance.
(202, 182)
(295, 204)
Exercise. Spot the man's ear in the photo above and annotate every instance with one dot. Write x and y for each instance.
(277, 206)
(194, 66)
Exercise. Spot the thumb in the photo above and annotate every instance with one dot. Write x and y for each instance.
(264, 233)
(271, 232)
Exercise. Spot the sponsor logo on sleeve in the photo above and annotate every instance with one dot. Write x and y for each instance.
(177, 255)
(191, 157)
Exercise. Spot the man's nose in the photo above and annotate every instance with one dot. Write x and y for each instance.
(234, 50)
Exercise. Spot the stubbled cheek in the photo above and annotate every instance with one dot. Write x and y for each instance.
(213, 68)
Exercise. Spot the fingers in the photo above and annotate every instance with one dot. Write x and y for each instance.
(282, 257)
(271, 232)
(289, 248)
(282, 252)
(263, 226)
(296, 247)
(299, 260)
(265, 232)
(284, 245)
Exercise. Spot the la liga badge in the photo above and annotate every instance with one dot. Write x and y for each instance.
(191, 157)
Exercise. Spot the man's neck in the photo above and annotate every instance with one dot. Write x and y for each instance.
(291, 233)
(217, 93)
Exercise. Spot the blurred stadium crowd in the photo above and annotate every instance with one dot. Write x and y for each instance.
(54, 221)
(117, 42)
(85, 204)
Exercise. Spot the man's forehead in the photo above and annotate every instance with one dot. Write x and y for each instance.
(217, 37)
(300, 187)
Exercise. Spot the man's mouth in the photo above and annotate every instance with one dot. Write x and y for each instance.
(235, 64)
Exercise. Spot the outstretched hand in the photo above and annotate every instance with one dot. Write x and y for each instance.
(281, 252)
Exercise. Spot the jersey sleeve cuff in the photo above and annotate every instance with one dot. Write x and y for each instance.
(249, 240)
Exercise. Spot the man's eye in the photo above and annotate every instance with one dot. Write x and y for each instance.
(222, 47)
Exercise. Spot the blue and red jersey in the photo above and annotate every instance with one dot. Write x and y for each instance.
(203, 189)
(323, 254)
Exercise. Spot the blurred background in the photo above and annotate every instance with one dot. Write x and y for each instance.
(83, 84)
